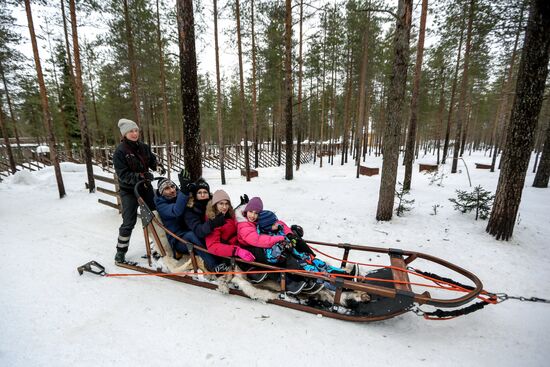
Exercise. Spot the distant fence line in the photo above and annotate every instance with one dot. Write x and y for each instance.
(269, 155)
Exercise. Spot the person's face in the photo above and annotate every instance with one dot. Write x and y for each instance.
(170, 192)
(222, 206)
(202, 194)
(252, 216)
(133, 135)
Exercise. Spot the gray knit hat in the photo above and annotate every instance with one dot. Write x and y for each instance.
(126, 126)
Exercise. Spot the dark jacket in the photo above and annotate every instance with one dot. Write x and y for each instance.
(131, 160)
(171, 212)
(195, 219)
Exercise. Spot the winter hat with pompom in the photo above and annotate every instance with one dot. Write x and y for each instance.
(126, 126)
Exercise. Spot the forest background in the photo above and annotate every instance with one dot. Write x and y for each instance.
(332, 50)
(342, 83)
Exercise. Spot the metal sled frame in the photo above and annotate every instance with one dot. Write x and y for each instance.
(398, 291)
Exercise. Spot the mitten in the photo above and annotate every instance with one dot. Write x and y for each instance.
(244, 200)
(244, 254)
(218, 221)
(292, 238)
(161, 170)
(185, 181)
(148, 176)
(298, 230)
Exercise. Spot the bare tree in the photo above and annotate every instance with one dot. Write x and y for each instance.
(48, 124)
(461, 116)
(362, 95)
(288, 90)
(189, 88)
(411, 133)
(7, 140)
(133, 65)
(300, 126)
(532, 73)
(219, 94)
(81, 106)
(396, 94)
(241, 92)
(10, 107)
(254, 96)
(164, 96)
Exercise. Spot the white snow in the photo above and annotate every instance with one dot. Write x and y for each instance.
(51, 316)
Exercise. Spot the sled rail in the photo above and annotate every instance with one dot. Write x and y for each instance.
(399, 265)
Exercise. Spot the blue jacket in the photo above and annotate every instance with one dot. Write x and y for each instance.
(171, 212)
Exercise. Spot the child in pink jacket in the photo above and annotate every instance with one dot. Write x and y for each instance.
(267, 249)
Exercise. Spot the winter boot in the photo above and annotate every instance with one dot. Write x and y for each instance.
(120, 256)
(317, 287)
(295, 287)
(256, 277)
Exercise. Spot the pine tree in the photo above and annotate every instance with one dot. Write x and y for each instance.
(403, 204)
(479, 200)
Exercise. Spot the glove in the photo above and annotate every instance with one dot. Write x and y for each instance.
(185, 181)
(244, 254)
(148, 176)
(161, 170)
(244, 200)
(292, 238)
(297, 230)
(218, 221)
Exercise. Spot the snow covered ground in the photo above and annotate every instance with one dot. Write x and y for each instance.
(51, 316)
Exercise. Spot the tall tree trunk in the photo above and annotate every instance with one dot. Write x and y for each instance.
(496, 123)
(100, 134)
(68, 148)
(7, 141)
(362, 96)
(241, 93)
(532, 73)
(219, 95)
(453, 92)
(254, 102)
(133, 65)
(463, 88)
(189, 89)
(347, 101)
(48, 124)
(440, 111)
(321, 150)
(396, 95)
(411, 133)
(81, 106)
(166, 125)
(504, 111)
(300, 122)
(543, 171)
(10, 107)
(288, 90)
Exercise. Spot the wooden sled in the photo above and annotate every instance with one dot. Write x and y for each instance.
(389, 287)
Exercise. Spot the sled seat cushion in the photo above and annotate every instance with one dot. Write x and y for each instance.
(162, 235)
